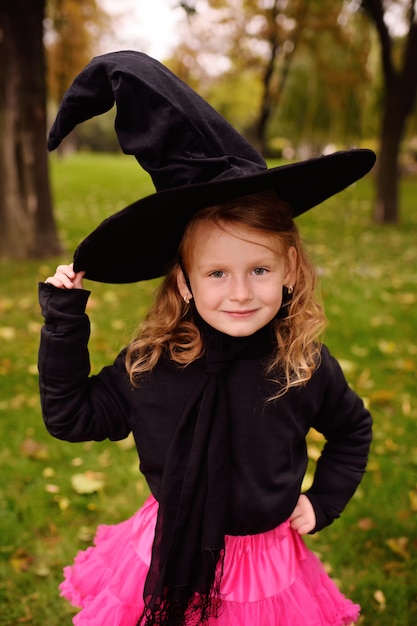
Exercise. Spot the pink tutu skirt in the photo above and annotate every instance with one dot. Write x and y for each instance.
(269, 579)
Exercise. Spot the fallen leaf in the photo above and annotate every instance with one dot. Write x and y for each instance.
(406, 298)
(387, 347)
(366, 523)
(382, 396)
(48, 472)
(380, 598)
(21, 560)
(85, 534)
(63, 503)
(34, 450)
(413, 500)
(41, 569)
(89, 482)
(51, 488)
(118, 324)
(7, 332)
(398, 545)
(5, 366)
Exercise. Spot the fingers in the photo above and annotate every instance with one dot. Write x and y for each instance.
(66, 278)
(303, 518)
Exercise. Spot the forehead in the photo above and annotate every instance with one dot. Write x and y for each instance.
(210, 238)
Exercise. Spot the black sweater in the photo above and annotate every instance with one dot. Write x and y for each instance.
(269, 456)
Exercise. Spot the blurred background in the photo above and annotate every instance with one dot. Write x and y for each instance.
(298, 78)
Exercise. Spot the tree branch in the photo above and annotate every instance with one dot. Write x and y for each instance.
(375, 10)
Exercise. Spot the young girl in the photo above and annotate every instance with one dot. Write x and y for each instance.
(220, 387)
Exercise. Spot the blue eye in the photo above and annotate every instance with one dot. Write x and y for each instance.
(260, 271)
(217, 274)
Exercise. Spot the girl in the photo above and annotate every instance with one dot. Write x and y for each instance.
(220, 387)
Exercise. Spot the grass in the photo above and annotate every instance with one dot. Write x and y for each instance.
(368, 281)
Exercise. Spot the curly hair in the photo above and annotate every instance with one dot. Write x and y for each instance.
(169, 328)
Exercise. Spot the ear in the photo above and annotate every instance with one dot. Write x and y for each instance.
(291, 269)
(182, 285)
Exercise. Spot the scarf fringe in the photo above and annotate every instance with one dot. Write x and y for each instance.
(195, 610)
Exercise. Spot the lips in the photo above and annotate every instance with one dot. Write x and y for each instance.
(241, 314)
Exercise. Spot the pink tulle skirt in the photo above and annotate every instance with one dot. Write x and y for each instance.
(269, 579)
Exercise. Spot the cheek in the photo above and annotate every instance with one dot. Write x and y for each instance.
(273, 292)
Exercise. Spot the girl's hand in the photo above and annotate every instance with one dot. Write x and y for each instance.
(303, 518)
(66, 278)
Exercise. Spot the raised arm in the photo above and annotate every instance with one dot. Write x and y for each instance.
(75, 405)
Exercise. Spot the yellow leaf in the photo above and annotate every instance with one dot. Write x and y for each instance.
(413, 500)
(382, 396)
(118, 324)
(7, 332)
(89, 482)
(380, 598)
(407, 298)
(48, 472)
(398, 545)
(20, 560)
(85, 534)
(63, 503)
(41, 569)
(387, 347)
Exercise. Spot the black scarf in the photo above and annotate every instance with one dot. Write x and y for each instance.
(183, 581)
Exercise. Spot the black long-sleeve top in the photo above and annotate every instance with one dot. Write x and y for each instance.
(269, 455)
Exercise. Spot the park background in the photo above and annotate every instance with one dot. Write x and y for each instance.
(298, 79)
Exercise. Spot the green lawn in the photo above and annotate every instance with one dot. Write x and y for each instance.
(369, 287)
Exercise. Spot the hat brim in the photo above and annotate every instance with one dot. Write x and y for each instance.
(141, 241)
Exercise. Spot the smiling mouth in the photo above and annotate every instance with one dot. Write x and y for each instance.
(239, 314)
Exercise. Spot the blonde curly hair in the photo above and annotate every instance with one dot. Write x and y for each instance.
(169, 328)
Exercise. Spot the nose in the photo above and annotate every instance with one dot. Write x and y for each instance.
(240, 290)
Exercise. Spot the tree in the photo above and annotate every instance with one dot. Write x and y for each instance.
(266, 39)
(73, 31)
(27, 227)
(400, 89)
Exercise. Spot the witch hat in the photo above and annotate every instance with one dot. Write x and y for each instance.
(193, 155)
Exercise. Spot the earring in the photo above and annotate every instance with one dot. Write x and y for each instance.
(187, 298)
(290, 289)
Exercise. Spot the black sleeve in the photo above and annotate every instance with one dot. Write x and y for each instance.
(347, 426)
(75, 405)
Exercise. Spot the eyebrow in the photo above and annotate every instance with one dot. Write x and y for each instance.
(220, 263)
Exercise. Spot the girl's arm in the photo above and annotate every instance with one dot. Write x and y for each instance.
(75, 405)
(347, 426)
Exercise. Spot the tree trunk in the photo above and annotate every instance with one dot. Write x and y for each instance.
(27, 227)
(261, 142)
(400, 96)
(386, 209)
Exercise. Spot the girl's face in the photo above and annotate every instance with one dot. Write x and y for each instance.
(236, 276)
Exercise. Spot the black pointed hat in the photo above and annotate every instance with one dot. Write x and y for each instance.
(193, 155)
